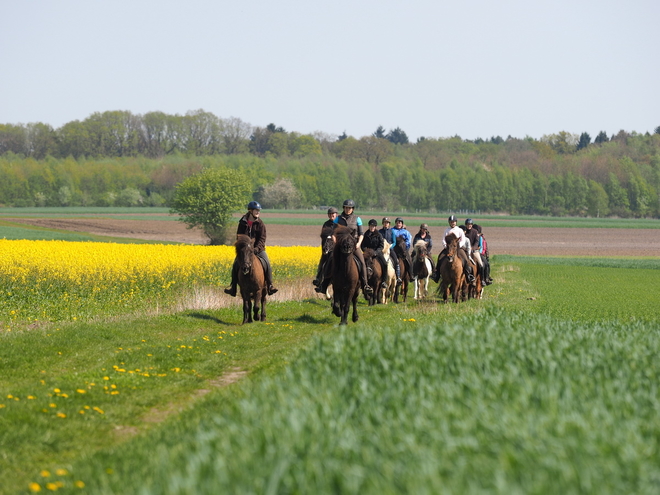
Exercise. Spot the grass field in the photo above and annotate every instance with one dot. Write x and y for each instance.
(434, 220)
(548, 385)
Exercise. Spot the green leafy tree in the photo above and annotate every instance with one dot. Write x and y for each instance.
(207, 200)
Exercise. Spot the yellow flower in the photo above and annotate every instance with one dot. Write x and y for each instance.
(61, 415)
(34, 487)
(45, 473)
(61, 472)
(81, 391)
(79, 484)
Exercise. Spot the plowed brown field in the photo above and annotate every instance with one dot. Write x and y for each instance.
(501, 240)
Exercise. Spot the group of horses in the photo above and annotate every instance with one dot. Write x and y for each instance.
(338, 247)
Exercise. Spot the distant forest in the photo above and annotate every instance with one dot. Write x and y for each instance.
(116, 158)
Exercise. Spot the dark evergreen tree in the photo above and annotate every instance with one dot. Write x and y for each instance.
(397, 136)
(585, 140)
(380, 132)
(657, 130)
(601, 138)
(342, 137)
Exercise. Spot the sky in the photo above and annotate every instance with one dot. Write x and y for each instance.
(434, 68)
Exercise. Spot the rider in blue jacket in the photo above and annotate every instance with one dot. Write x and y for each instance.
(400, 231)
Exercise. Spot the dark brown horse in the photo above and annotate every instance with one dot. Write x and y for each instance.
(345, 275)
(327, 246)
(400, 250)
(251, 280)
(374, 275)
(451, 271)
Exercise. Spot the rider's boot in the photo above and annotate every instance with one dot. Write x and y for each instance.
(322, 288)
(397, 270)
(231, 290)
(272, 289)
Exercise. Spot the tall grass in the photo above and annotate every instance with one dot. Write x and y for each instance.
(491, 403)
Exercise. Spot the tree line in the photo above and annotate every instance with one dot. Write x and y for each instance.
(117, 158)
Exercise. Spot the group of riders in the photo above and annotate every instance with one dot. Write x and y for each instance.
(470, 238)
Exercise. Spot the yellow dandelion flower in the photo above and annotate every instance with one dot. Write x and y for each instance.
(45, 473)
(61, 415)
(61, 472)
(79, 484)
(81, 391)
(34, 487)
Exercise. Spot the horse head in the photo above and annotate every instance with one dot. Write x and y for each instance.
(400, 245)
(345, 241)
(452, 246)
(420, 249)
(244, 252)
(327, 240)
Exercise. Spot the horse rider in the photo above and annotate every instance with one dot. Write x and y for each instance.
(387, 234)
(331, 222)
(399, 230)
(423, 235)
(349, 219)
(463, 252)
(474, 236)
(251, 225)
(372, 239)
(483, 254)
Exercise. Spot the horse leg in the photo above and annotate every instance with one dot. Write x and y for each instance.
(247, 310)
(256, 305)
(263, 304)
(355, 311)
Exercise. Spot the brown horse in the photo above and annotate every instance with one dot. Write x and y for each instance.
(476, 289)
(374, 275)
(451, 271)
(251, 280)
(421, 270)
(345, 275)
(400, 250)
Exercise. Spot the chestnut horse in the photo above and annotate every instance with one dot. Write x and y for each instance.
(400, 250)
(421, 270)
(345, 275)
(476, 289)
(451, 271)
(251, 280)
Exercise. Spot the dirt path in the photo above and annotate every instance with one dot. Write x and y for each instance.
(501, 240)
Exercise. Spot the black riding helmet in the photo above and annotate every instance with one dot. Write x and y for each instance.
(254, 205)
(399, 219)
(469, 222)
(332, 209)
(350, 203)
(452, 218)
(373, 222)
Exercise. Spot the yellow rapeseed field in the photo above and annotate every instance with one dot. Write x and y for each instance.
(58, 280)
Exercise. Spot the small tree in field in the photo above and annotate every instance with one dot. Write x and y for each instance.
(208, 199)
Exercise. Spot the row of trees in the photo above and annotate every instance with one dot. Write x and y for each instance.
(201, 133)
(619, 177)
(116, 158)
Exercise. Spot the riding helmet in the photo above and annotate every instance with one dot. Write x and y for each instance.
(332, 209)
(424, 226)
(254, 205)
(373, 222)
(399, 219)
(469, 222)
(452, 218)
(350, 203)
(386, 220)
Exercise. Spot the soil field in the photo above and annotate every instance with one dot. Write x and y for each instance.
(501, 240)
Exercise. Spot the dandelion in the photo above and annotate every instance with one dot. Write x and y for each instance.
(34, 487)
(45, 473)
(79, 484)
(61, 415)
(61, 472)
(81, 391)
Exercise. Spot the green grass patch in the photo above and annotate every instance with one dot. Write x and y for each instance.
(544, 386)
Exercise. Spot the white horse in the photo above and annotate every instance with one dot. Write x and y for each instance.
(388, 293)
(421, 270)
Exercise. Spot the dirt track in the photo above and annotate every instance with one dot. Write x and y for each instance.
(501, 240)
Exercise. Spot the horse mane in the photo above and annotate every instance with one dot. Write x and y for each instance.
(420, 244)
(450, 238)
(342, 231)
(242, 240)
(368, 253)
(326, 231)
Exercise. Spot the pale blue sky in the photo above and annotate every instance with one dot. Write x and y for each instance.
(476, 68)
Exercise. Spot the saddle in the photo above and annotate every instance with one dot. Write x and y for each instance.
(357, 262)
